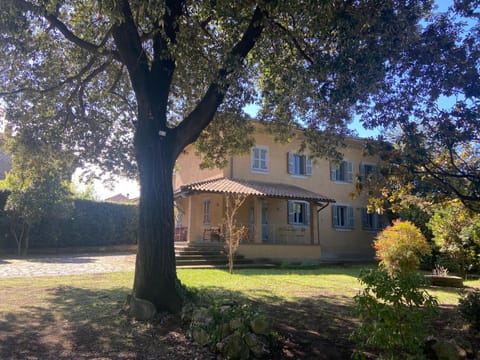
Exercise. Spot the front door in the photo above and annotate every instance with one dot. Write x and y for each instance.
(265, 227)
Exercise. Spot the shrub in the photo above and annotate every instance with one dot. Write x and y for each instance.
(400, 247)
(469, 308)
(456, 230)
(393, 311)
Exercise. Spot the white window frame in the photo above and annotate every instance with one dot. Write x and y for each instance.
(296, 217)
(299, 164)
(206, 211)
(259, 163)
(343, 217)
(342, 173)
(371, 221)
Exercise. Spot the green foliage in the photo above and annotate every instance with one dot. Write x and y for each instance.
(227, 135)
(469, 308)
(38, 185)
(89, 223)
(434, 149)
(400, 247)
(393, 311)
(456, 230)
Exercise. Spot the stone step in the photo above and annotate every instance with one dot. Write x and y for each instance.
(252, 265)
(223, 261)
(210, 256)
(206, 257)
(198, 252)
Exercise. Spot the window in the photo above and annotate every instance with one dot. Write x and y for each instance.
(366, 169)
(342, 172)
(206, 211)
(298, 212)
(299, 164)
(259, 159)
(370, 221)
(343, 217)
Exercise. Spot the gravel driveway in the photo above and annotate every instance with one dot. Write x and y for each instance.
(59, 265)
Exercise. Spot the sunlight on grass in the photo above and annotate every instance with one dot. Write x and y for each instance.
(283, 284)
(277, 285)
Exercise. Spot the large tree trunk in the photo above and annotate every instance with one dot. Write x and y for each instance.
(155, 272)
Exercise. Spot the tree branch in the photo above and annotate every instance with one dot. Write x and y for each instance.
(191, 127)
(67, 33)
(294, 41)
(163, 65)
(131, 52)
(68, 80)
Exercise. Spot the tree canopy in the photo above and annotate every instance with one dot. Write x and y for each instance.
(128, 84)
(431, 111)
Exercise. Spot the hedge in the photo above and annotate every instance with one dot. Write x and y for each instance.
(89, 223)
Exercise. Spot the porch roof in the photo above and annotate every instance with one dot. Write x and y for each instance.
(248, 187)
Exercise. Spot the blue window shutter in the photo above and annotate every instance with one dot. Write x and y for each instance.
(351, 217)
(334, 216)
(290, 212)
(290, 162)
(349, 175)
(308, 166)
(307, 213)
(362, 172)
(333, 172)
(365, 218)
(264, 159)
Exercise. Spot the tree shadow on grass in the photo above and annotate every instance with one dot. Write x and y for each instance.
(81, 323)
(310, 328)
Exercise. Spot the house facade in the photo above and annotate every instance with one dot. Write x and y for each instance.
(295, 208)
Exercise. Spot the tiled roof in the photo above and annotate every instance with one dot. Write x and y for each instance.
(244, 187)
(120, 198)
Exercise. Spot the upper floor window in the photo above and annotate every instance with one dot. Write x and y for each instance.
(298, 212)
(366, 169)
(259, 159)
(370, 221)
(342, 172)
(206, 211)
(299, 164)
(343, 217)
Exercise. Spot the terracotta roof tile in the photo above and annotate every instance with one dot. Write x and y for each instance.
(246, 187)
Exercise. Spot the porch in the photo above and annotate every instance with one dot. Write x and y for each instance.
(277, 216)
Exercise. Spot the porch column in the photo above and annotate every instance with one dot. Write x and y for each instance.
(189, 220)
(257, 203)
(313, 224)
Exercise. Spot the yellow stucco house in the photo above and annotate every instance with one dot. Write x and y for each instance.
(296, 210)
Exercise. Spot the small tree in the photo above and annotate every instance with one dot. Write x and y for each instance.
(39, 186)
(400, 247)
(456, 230)
(233, 232)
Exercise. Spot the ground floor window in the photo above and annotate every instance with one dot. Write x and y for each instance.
(298, 212)
(343, 217)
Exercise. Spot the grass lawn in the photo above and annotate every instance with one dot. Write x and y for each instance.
(78, 316)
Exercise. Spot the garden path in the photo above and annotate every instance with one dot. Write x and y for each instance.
(68, 264)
